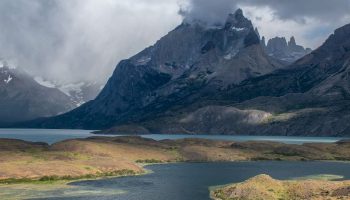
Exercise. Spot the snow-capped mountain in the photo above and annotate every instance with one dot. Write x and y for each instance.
(79, 92)
(22, 98)
(278, 48)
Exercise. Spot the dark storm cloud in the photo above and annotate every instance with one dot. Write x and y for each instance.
(277, 17)
(325, 10)
(216, 11)
(75, 40)
(207, 11)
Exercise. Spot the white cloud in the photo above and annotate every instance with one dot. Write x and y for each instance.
(270, 26)
(81, 39)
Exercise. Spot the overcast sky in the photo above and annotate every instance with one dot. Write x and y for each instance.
(85, 39)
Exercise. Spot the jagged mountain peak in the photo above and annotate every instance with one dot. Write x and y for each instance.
(188, 62)
(238, 15)
(237, 19)
(292, 41)
(288, 52)
(234, 19)
(186, 45)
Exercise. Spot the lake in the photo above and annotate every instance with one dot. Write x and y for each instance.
(190, 181)
(55, 135)
(183, 181)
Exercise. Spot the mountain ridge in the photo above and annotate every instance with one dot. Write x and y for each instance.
(22, 98)
(190, 58)
(280, 49)
(221, 82)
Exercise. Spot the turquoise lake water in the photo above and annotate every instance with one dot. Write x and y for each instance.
(183, 181)
(52, 135)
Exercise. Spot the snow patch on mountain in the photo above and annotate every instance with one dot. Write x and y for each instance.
(44, 83)
(143, 61)
(231, 54)
(68, 89)
(237, 29)
(9, 78)
(79, 92)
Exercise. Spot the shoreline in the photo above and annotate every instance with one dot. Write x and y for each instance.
(323, 186)
(40, 190)
(118, 174)
(66, 180)
(104, 157)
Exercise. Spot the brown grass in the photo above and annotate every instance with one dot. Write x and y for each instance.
(98, 155)
(263, 187)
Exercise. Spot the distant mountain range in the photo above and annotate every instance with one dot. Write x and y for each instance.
(287, 52)
(222, 80)
(23, 97)
(79, 92)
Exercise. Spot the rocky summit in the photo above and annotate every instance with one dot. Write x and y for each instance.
(220, 80)
(286, 52)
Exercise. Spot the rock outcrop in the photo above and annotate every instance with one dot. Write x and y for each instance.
(287, 52)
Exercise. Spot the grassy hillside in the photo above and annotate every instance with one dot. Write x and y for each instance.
(263, 187)
(104, 156)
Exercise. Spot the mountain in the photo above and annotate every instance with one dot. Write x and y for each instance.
(22, 98)
(200, 80)
(79, 92)
(188, 64)
(309, 98)
(287, 52)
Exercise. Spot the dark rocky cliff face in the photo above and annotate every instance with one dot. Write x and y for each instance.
(310, 97)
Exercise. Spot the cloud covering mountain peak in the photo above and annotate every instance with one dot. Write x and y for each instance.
(208, 12)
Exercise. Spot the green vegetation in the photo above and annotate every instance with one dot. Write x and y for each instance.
(149, 161)
(107, 156)
(52, 179)
(324, 177)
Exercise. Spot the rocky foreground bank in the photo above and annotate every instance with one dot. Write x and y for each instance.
(22, 161)
(263, 187)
